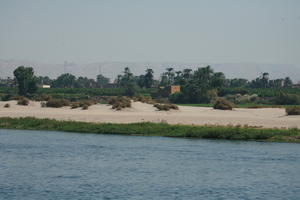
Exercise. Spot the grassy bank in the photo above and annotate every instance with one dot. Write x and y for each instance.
(155, 129)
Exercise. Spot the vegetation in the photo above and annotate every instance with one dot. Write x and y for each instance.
(6, 97)
(295, 110)
(57, 103)
(83, 104)
(223, 104)
(165, 107)
(85, 107)
(23, 101)
(143, 99)
(155, 129)
(291, 99)
(26, 80)
(120, 102)
(42, 97)
(200, 86)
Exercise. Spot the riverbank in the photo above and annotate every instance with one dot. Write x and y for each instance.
(141, 112)
(155, 129)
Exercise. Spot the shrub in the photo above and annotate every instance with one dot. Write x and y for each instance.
(143, 99)
(165, 107)
(23, 101)
(295, 110)
(42, 97)
(223, 104)
(6, 105)
(82, 104)
(86, 102)
(119, 103)
(43, 104)
(75, 105)
(85, 107)
(57, 103)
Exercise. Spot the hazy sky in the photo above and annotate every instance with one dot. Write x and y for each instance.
(214, 31)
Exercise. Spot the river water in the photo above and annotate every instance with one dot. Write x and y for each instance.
(57, 165)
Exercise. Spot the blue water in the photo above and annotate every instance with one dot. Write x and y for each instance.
(56, 165)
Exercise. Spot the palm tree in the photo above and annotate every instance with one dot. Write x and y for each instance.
(148, 78)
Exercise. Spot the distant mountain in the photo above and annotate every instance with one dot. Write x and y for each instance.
(112, 69)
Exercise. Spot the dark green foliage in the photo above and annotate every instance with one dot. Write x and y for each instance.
(165, 107)
(295, 110)
(178, 97)
(223, 104)
(57, 103)
(197, 87)
(6, 105)
(146, 81)
(120, 102)
(23, 101)
(287, 99)
(64, 81)
(6, 97)
(155, 129)
(26, 80)
(102, 81)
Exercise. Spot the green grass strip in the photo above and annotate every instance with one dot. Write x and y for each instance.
(155, 129)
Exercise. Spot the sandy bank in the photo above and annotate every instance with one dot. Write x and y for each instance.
(140, 112)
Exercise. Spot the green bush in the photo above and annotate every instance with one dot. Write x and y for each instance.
(165, 107)
(57, 103)
(85, 107)
(75, 105)
(143, 99)
(23, 101)
(119, 103)
(223, 104)
(295, 110)
(42, 97)
(6, 105)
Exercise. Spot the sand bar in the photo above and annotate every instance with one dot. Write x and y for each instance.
(140, 112)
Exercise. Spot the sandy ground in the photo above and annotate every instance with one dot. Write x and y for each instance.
(140, 112)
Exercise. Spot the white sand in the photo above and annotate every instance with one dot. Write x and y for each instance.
(140, 112)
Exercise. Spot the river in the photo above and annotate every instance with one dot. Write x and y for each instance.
(57, 165)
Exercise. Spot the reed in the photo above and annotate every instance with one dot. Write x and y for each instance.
(155, 129)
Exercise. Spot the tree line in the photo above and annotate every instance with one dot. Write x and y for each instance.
(197, 86)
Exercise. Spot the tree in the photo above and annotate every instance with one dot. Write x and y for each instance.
(102, 81)
(148, 78)
(127, 81)
(201, 86)
(164, 81)
(65, 81)
(170, 74)
(26, 80)
(84, 82)
(44, 80)
(288, 82)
